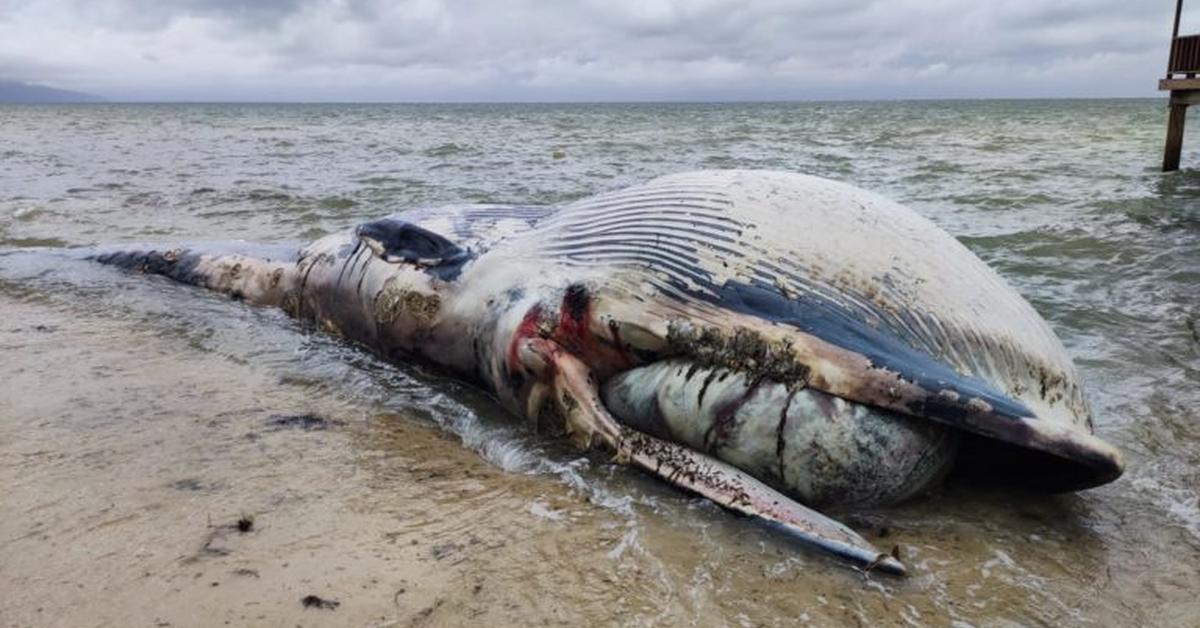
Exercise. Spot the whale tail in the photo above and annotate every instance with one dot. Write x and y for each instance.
(262, 275)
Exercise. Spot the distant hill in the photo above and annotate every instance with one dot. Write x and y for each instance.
(15, 91)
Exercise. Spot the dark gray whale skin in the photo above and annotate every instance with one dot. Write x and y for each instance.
(771, 341)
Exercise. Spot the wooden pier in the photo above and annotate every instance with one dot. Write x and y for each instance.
(1182, 68)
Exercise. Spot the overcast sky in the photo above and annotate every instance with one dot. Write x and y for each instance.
(422, 50)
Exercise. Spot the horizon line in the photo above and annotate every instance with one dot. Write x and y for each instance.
(589, 102)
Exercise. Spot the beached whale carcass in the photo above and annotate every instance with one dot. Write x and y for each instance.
(771, 341)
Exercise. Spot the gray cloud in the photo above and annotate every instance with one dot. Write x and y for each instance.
(585, 50)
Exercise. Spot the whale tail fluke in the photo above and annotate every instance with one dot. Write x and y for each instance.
(262, 275)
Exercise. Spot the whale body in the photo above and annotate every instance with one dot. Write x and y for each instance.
(772, 341)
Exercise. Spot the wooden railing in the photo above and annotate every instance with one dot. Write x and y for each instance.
(1185, 56)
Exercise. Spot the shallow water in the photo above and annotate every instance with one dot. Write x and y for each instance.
(136, 416)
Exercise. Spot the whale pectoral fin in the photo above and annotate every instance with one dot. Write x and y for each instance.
(398, 241)
(589, 423)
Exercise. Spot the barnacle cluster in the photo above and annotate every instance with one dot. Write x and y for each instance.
(742, 350)
(396, 300)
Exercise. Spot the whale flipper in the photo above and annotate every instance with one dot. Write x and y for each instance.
(397, 241)
(577, 397)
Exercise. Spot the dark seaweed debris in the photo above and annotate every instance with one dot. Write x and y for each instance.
(312, 601)
(187, 484)
(306, 422)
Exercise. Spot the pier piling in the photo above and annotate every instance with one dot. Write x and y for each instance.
(1181, 81)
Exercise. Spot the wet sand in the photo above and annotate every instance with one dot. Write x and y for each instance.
(131, 459)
